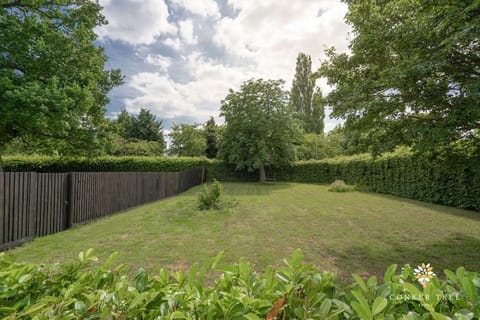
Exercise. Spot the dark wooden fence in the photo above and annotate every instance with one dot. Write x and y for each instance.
(37, 204)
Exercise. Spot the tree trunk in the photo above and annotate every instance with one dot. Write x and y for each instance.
(1, 163)
(262, 173)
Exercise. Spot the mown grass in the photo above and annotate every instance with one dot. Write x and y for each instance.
(346, 233)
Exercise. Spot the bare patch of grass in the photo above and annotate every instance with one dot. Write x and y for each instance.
(340, 186)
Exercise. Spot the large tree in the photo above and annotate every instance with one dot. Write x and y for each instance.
(259, 129)
(145, 126)
(211, 131)
(140, 134)
(53, 85)
(187, 140)
(412, 75)
(305, 99)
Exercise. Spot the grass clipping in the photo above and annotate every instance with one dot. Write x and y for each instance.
(340, 186)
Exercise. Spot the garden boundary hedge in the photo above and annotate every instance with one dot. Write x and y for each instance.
(48, 164)
(453, 181)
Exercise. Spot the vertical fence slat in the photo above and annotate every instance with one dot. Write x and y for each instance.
(42, 202)
(15, 202)
(6, 233)
(50, 203)
(17, 219)
(38, 204)
(11, 206)
(32, 214)
(23, 227)
(2, 208)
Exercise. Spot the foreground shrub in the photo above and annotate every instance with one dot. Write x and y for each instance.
(210, 197)
(340, 186)
(88, 290)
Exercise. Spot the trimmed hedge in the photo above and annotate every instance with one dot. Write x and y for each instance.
(215, 169)
(453, 181)
(84, 289)
(221, 171)
(101, 164)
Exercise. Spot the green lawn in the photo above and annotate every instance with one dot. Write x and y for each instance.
(342, 232)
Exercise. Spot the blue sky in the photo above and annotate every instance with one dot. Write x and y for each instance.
(180, 57)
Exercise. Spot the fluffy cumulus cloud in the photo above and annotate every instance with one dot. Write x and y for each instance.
(204, 8)
(135, 21)
(198, 98)
(174, 43)
(272, 32)
(187, 32)
(158, 60)
(198, 50)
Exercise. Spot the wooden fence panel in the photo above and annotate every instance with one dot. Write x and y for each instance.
(38, 204)
(17, 193)
(98, 194)
(51, 205)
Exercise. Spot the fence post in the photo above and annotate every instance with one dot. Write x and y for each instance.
(2, 207)
(32, 210)
(68, 202)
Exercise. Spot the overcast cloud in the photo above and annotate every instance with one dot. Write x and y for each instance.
(180, 57)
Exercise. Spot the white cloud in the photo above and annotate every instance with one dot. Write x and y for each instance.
(158, 93)
(187, 31)
(271, 33)
(204, 8)
(263, 40)
(135, 21)
(199, 98)
(159, 60)
(173, 43)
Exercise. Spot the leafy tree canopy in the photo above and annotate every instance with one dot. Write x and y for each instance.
(143, 126)
(138, 148)
(212, 132)
(312, 147)
(53, 85)
(259, 128)
(187, 140)
(305, 99)
(413, 74)
(138, 134)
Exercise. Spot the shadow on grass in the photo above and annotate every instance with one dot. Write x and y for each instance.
(474, 215)
(449, 253)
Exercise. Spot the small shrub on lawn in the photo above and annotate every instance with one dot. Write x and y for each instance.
(84, 289)
(340, 186)
(210, 197)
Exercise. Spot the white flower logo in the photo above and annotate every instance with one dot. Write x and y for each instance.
(424, 274)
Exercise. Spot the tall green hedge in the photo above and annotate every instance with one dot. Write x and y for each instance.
(452, 180)
(101, 164)
(215, 169)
